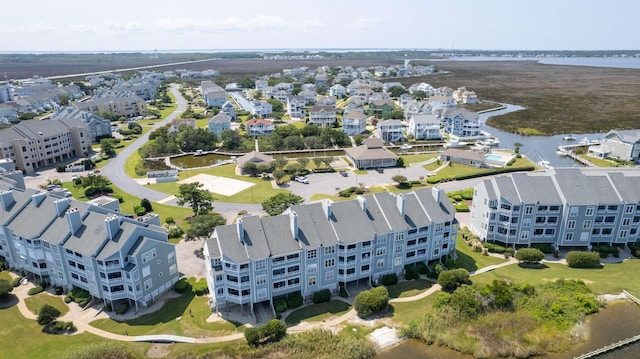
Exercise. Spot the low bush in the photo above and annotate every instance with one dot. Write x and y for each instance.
(433, 180)
(273, 331)
(67, 299)
(453, 278)
(118, 197)
(169, 220)
(35, 290)
(372, 301)
(321, 296)
(577, 259)
(182, 286)
(422, 268)
(545, 248)
(635, 249)
(495, 248)
(121, 307)
(411, 272)
(201, 288)
(58, 290)
(294, 300)
(529, 255)
(16, 281)
(389, 279)
(280, 305)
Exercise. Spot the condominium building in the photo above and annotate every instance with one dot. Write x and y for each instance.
(75, 244)
(323, 245)
(569, 208)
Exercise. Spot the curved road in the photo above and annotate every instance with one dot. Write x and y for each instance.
(114, 170)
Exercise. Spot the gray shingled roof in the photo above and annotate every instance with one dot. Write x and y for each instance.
(114, 245)
(507, 189)
(32, 220)
(388, 205)
(536, 189)
(90, 237)
(227, 237)
(580, 189)
(438, 211)
(350, 223)
(314, 229)
(364, 153)
(278, 233)
(58, 231)
(20, 199)
(212, 246)
(628, 186)
(627, 136)
(464, 154)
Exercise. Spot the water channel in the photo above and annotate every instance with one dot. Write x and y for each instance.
(617, 321)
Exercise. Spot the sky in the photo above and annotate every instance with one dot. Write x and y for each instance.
(145, 25)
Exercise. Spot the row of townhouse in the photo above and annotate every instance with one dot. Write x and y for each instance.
(35, 144)
(318, 246)
(569, 208)
(75, 244)
(116, 104)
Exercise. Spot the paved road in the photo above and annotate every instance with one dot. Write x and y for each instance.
(114, 170)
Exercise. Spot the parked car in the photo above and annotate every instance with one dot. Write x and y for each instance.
(344, 173)
(379, 170)
(302, 179)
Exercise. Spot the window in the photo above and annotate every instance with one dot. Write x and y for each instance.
(171, 257)
(277, 260)
(278, 285)
(312, 254)
(294, 256)
(329, 250)
(599, 219)
(365, 268)
(537, 232)
(629, 209)
(311, 281)
(399, 236)
(606, 231)
(329, 275)
(397, 249)
(381, 240)
(568, 237)
(148, 284)
(261, 264)
(114, 275)
(554, 208)
(220, 291)
(329, 262)
(293, 281)
(596, 231)
(381, 251)
(571, 224)
(411, 254)
(626, 221)
(610, 219)
(312, 268)
(173, 269)
(573, 211)
(526, 222)
(505, 206)
(528, 210)
(623, 233)
(293, 269)
(422, 252)
(549, 231)
(380, 263)
(524, 235)
(397, 261)
(612, 208)
(589, 211)
(148, 255)
(219, 277)
(586, 224)
(278, 272)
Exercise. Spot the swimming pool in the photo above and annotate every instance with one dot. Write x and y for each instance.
(495, 158)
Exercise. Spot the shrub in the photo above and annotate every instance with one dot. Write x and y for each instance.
(509, 252)
(294, 300)
(389, 279)
(182, 286)
(280, 305)
(201, 288)
(252, 335)
(452, 279)
(58, 290)
(118, 197)
(121, 307)
(529, 255)
(169, 220)
(433, 180)
(16, 281)
(635, 249)
(5, 289)
(67, 299)
(91, 192)
(411, 272)
(174, 231)
(422, 268)
(77, 181)
(140, 211)
(494, 248)
(274, 330)
(47, 314)
(80, 296)
(546, 248)
(35, 290)
(371, 301)
(576, 259)
(321, 296)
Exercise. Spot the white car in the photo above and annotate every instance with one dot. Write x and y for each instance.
(302, 179)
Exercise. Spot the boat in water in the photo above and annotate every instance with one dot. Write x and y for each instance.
(569, 138)
(544, 164)
(493, 142)
(454, 144)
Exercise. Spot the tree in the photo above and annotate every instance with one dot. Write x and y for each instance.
(419, 95)
(577, 259)
(529, 255)
(277, 204)
(281, 162)
(246, 82)
(303, 161)
(400, 162)
(395, 114)
(106, 146)
(500, 292)
(276, 105)
(200, 200)
(96, 184)
(48, 314)
(371, 301)
(5, 288)
(396, 91)
(399, 179)
(264, 168)
(451, 279)
(203, 225)
(146, 204)
(231, 140)
(278, 175)
(317, 161)
(251, 168)
(63, 100)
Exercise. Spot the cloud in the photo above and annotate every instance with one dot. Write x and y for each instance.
(231, 24)
(124, 26)
(364, 23)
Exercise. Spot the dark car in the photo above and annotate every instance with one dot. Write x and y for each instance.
(379, 170)
(344, 173)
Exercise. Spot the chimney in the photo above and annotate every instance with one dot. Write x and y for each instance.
(326, 205)
(240, 227)
(61, 205)
(6, 199)
(363, 203)
(75, 219)
(112, 223)
(400, 203)
(293, 221)
(435, 192)
(37, 198)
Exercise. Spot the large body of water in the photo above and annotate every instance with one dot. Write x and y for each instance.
(616, 322)
(616, 62)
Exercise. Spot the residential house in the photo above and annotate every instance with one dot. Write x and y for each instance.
(214, 95)
(326, 101)
(362, 94)
(36, 144)
(219, 123)
(567, 208)
(261, 84)
(259, 126)
(338, 91)
(311, 247)
(469, 97)
(322, 80)
(440, 103)
(371, 154)
(117, 105)
(281, 95)
(261, 108)
(254, 156)
(98, 126)
(620, 144)
(424, 127)
(309, 96)
(390, 131)
(463, 157)
(381, 108)
(354, 123)
(9, 112)
(462, 123)
(73, 244)
(230, 110)
(322, 116)
(296, 107)
(6, 93)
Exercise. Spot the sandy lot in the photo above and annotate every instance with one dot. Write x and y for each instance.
(220, 185)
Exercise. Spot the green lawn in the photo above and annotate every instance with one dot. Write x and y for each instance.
(409, 159)
(456, 169)
(408, 288)
(471, 260)
(5, 275)
(611, 278)
(405, 312)
(599, 162)
(184, 315)
(317, 312)
(432, 166)
(35, 302)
